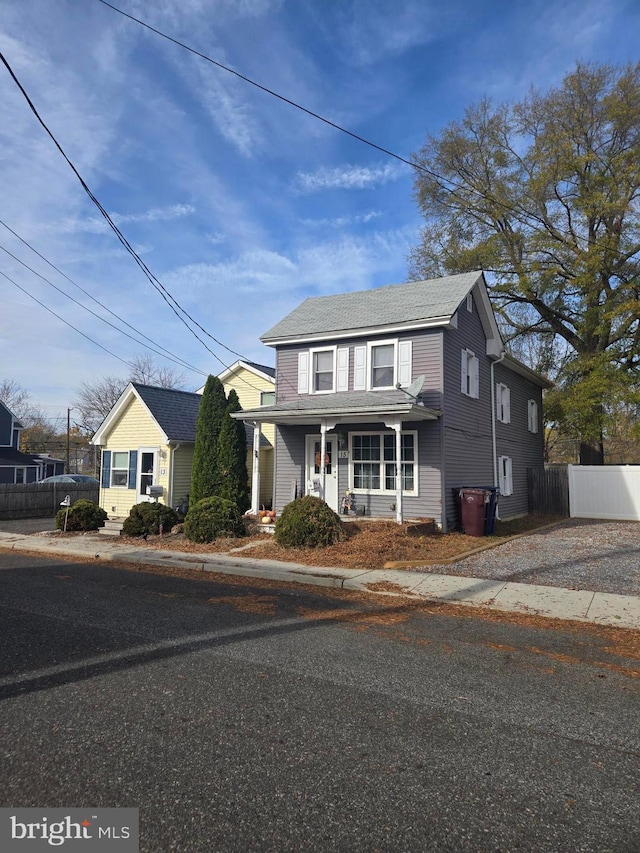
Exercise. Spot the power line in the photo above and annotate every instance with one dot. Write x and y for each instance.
(71, 326)
(155, 282)
(93, 313)
(445, 183)
(169, 355)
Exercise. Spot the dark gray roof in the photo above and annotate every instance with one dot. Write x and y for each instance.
(9, 456)
(263, 368)
(393, 305)
(177, 412)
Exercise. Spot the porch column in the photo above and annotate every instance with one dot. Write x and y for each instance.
(323, 451)
(255, 473)
(396, 426)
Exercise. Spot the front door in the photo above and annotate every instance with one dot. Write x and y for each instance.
(314, 473)
(147, 473)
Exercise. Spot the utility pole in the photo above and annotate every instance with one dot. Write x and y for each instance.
(68, 440)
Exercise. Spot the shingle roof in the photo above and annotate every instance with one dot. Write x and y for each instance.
(10, 456)
(177, 412)
(395, 304)
(263, 368)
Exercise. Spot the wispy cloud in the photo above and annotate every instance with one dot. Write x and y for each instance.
(350, 177)
(344, 221)
(97, 225)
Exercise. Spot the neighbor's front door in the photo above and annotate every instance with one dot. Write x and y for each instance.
(147, 471)
(314, 475)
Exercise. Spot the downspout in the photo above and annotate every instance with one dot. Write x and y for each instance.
(496, 478)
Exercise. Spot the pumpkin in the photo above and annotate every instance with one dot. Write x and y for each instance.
(265, 519)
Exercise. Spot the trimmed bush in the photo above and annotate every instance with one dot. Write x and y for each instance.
(308, 521)
(213, 517)
(146, 517)
(83, 515)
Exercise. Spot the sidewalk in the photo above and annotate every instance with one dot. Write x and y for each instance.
(621, 611)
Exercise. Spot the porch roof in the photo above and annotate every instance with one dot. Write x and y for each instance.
(347, 407)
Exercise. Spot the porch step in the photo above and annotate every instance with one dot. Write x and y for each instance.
(112, 527)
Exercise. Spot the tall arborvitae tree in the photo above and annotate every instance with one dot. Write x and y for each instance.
(232, 457)
(204, 472)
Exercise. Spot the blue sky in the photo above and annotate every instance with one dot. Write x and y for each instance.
(241, 205)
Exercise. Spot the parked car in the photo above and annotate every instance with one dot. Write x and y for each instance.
(72, 478)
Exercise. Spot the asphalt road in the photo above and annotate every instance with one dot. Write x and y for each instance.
(243, 717)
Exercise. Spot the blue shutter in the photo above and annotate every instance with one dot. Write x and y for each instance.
(106, 468)
(133, 468)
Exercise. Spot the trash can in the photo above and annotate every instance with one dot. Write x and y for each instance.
(472, 511)
(491, 509)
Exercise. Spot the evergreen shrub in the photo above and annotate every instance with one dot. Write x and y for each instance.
(83, 515)
(310, 522)
(146, 517)
(213, 517)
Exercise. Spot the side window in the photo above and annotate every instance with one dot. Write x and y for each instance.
(503, 403)
(469, 303)
(505, 475)
(120, 468)
(470, 374)
(532, 408)
(267, 398)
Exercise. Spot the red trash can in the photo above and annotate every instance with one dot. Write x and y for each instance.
(472, 511)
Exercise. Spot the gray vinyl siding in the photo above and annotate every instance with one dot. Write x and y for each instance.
(468, 447)
(289, 463)
(426, 359)
(525, 449)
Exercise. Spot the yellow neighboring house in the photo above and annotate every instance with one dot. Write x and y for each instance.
(147, 439)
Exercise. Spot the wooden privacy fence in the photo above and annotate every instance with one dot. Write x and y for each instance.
(548, 490)
(41, 500)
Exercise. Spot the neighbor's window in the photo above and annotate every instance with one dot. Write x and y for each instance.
(533, 415)
(383, 359)
(120, 468)
(373, 462)
(322, 370)
(267, 398)
(21, 475)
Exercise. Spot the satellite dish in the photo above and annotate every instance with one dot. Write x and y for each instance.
(415, 388)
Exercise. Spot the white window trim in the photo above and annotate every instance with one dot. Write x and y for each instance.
(312, 352)
(382, 491)
(532, 415)
(503, 403)
(474, 384)
(505, 475)
(470, 303)
(112, 485)
(370, 345)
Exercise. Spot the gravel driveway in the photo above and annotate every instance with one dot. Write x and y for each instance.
(603, 556)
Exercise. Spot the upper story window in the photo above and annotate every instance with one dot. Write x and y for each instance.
(267, 398)
(322, 372)
(382, 365)
(503, 403)
(470, 374)
(469, 303)
(532, 412)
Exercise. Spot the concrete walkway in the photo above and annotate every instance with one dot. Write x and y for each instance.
(622, 611)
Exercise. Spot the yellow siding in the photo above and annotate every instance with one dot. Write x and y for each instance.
(266, 476)
(248, 387)
(135, 428)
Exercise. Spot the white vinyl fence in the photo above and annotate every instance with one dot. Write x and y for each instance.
(605, 491)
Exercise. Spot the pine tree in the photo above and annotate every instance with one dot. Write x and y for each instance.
(232, 457)
(204, 472)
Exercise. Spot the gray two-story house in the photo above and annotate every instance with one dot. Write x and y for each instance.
(396, 396)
